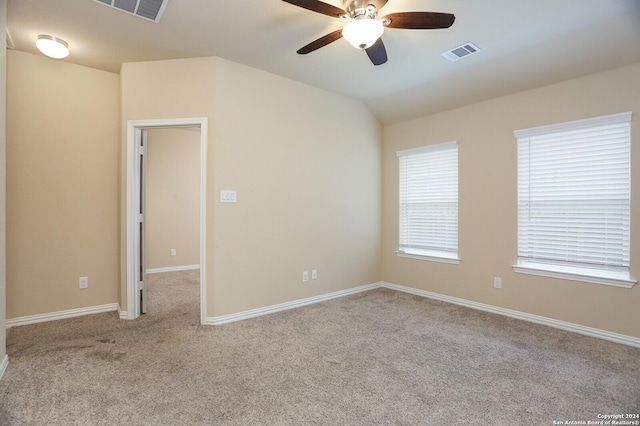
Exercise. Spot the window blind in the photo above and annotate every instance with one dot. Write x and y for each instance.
(429, 200)
(574, 194)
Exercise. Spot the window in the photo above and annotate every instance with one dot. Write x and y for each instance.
(574, 200)
(429, 202)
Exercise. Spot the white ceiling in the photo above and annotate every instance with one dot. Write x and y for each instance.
(525, 44)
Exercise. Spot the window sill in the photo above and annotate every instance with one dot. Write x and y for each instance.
(574, 274)
(429, 256)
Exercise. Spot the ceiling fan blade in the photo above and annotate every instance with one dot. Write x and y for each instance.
(321, 42)
(377, 53)
(318, 6)
(420, 20)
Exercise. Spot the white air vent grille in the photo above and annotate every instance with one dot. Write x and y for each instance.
(462, 51)
(146, 9)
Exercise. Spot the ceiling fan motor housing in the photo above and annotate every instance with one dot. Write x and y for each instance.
(360, 9)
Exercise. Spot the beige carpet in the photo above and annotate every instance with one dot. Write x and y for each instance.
(375, 358)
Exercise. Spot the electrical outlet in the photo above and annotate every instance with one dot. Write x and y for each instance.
(497, 282)
(83, 282)
(305, 276)
(173, 252)
(314, 274)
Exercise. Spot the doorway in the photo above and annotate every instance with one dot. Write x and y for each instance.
(135, 203)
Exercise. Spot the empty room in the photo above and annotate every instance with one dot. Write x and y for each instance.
(340, 212)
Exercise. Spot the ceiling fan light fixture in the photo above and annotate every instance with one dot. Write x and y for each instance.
(363, 33)
(53, 47)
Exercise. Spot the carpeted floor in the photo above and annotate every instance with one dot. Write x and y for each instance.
(375, 358)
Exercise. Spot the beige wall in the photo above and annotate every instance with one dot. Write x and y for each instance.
(306, 167)
(153, 90)
(172, 213)
(3, 169)
(307, 179)
(487, 202)
(62, 185)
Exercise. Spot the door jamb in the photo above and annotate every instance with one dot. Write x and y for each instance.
(134, 129)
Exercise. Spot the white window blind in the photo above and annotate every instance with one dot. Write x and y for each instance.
(574, 196)
(429, 201)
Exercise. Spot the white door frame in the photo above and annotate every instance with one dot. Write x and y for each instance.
(134, 131)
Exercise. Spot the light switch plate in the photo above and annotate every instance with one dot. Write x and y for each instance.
(227, 196)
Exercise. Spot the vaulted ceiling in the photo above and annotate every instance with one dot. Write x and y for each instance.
(524, 44)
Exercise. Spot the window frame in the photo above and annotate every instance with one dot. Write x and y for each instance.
(620, 278)
(441, 256)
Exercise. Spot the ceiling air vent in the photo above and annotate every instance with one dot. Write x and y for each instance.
(460, 52)
(146, 9)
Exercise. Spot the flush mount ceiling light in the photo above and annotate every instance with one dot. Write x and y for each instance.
(52, 46)
(363, 33)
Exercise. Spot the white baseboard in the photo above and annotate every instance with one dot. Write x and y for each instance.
(563, 325)
(172, 269)
(224, 319)
(3, 365)
(52, 316)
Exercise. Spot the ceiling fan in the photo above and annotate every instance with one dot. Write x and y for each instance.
(364, 28)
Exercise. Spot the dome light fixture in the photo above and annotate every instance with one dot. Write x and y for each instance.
(363, 33)
(53, 47)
